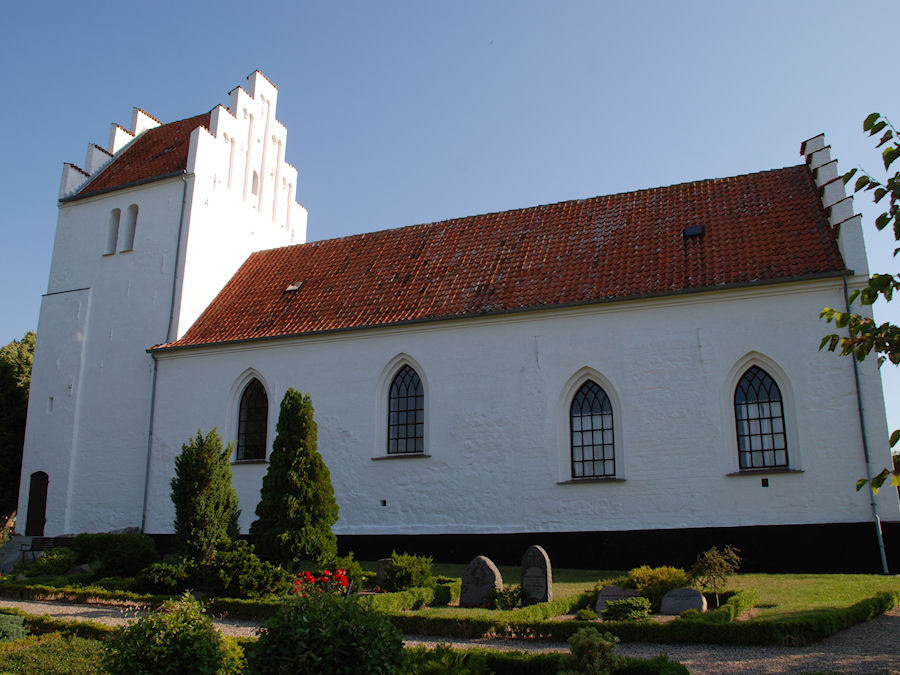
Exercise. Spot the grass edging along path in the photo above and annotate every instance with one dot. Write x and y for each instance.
(795, 610)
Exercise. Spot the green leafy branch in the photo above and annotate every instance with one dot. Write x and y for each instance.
(863, 335)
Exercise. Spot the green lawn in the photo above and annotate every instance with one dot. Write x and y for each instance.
(790, 595)
(781, 595)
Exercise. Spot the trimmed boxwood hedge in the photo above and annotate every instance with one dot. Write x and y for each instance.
(542, 663)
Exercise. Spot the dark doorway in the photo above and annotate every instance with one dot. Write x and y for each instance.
(37, 505)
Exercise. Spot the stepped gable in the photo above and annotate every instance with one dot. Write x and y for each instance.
(756, 228)
(155, 153)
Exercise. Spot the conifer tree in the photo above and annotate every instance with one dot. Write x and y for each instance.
(297, 506)
(206, 504)
(15, 378)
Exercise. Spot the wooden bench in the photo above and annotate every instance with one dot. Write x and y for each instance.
(41, 544)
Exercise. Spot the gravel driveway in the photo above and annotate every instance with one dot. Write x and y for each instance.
(869, 648)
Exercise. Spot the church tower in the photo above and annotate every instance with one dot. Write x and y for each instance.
(149, 231)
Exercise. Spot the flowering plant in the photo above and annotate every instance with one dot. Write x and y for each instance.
(327, 582)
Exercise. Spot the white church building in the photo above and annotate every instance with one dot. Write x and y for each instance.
(624, 379)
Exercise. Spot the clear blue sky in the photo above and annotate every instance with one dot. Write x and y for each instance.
(407, 112)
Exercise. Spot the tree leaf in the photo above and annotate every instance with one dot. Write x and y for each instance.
(869, 122)
(877, 127)
(861, 182)
(888, 135)
(879, 193)
(889, 155)
(860, 483)
(878, 480)
(847, 176)
(895, 436)
(882, 221)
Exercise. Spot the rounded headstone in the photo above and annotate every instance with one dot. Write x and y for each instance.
(381, 568)
(537, 576)
(679, 600)
(480, 577)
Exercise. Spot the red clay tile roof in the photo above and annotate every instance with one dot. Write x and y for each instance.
(759, 227)
(157, 152)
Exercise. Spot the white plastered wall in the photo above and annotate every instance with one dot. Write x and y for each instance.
(497, 462)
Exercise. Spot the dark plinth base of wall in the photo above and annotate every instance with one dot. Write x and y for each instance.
(835, 547)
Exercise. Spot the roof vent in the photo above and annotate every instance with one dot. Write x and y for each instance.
(693, 231)
(294, 286)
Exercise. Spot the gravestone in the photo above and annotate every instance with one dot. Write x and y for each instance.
(381, 568)
(537, 576)
(611, 593)
(679, 600)
(480, 577)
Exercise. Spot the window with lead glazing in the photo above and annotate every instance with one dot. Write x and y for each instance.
(759, 418)
(591, 418)
(252, 422)
(406, 413)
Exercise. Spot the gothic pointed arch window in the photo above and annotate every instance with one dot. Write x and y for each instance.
(253, 415)
(406, 413)
(591, 426)
(759, 419)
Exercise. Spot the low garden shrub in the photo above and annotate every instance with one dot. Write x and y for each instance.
(654, 583)
(12, 628)
(324, 633)
(53, 654)
(586, 614)
(170, 578)
(446, 590)
(176, 638)
(236, 571)
(54, 562)
(592, 653)
(122, 555)
(407, 571)
(627, 609)
(508, 597)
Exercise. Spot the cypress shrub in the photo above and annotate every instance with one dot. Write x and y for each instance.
(297, 506)
(206, 503)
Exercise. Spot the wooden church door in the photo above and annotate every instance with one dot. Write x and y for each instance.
(37, 505)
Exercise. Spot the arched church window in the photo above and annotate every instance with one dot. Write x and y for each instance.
(759, 418)
(112, 232)
(131, 216)
(591, 423)
(406, 413)
(253, 422)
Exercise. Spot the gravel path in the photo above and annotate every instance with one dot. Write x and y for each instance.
(867, 649)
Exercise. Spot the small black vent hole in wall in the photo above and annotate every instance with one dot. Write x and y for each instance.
(765, 482)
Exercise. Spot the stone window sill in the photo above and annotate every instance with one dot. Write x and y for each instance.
(249, 461)
(599, 479)
(762, 472)
(402, 455)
